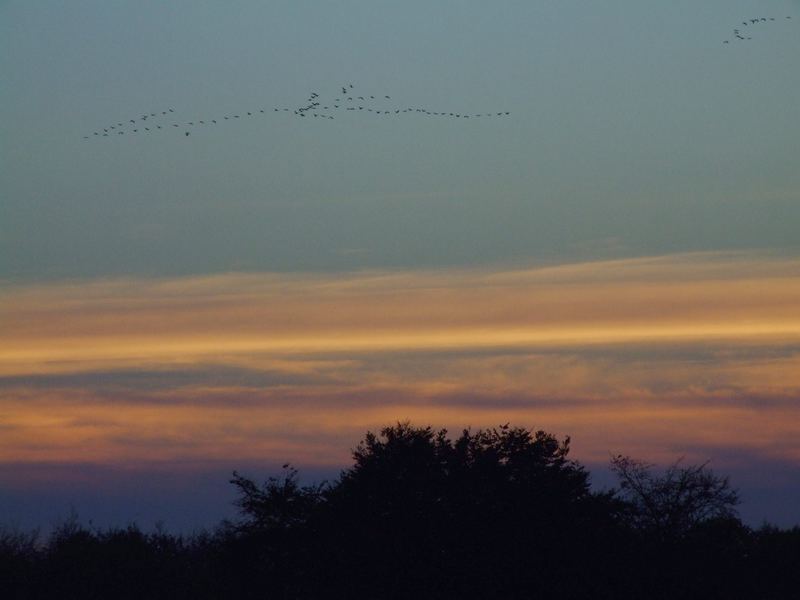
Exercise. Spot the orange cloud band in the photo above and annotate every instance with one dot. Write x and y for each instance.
(650, 355)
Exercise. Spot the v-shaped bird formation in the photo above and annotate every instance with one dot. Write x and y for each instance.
(347, 100)
(744, 31)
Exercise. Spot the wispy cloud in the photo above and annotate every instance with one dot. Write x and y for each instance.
(649, 355)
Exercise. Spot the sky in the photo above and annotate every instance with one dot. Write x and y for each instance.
(615, 260)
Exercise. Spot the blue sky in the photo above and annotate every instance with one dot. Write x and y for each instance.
(634, 131)
(621, 247)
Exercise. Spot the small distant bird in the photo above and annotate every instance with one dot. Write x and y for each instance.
(187, 133)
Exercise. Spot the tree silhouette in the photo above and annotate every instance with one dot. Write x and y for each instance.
(671, 505)
(493, 513)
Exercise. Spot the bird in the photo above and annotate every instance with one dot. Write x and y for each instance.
(187, 133)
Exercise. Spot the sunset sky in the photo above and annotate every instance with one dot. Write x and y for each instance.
(616, 260)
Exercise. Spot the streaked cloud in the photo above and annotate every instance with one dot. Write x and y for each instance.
(653, 356)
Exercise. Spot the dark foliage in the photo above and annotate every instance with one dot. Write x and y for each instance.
(500, 513)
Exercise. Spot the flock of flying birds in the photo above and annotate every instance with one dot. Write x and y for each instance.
(741, 35)
(315, 107)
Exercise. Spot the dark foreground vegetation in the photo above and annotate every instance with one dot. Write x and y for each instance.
(492, 514)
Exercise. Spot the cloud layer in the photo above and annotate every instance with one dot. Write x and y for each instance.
(696, 354)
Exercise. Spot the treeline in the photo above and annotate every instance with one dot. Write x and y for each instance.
(500, 513)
